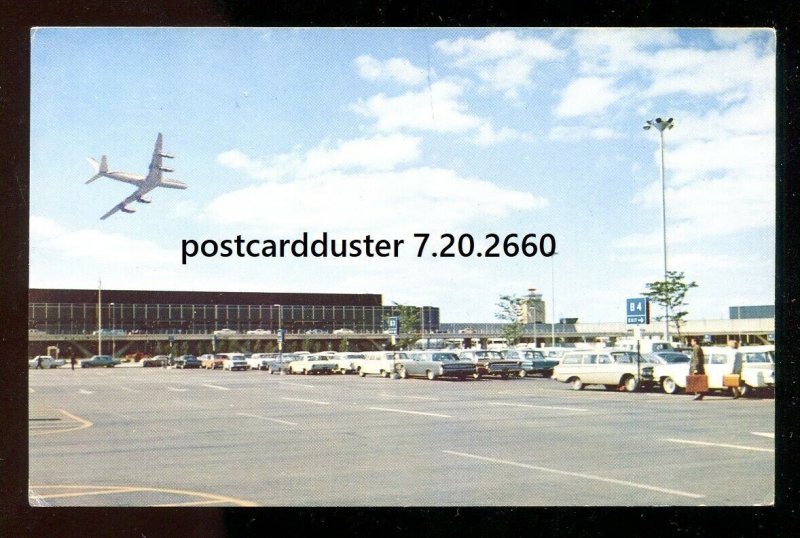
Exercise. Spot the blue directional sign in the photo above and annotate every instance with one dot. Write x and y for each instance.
(393, 325)
(637, 311)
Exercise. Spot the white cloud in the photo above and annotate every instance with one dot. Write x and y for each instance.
(503, 60)
(396, 69)
(579, 132)
(588, 96)
(436, 108)
(380, 152)
(413, 200)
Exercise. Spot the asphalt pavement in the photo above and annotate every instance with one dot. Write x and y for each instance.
(164, 437)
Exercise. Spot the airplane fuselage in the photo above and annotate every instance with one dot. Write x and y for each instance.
(144, 184)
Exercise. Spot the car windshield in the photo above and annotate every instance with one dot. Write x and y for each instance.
(756, 357)
(443, 357)
(674, 358)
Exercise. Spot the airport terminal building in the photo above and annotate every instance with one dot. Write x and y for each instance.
(75, 311)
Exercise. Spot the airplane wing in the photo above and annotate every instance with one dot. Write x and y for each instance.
(123, 205)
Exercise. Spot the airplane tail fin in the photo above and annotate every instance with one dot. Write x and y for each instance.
(101, 168)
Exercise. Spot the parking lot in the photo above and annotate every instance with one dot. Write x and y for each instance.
(164, 437)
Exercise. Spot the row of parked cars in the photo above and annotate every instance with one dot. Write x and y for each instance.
(430, 364)
(627, 370)
(615, 369)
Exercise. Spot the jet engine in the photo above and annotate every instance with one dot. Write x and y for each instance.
(126, 209)
(167, 155)
(165, 169)
(143, 200)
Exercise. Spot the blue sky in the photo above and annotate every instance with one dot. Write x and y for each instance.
(391, 132)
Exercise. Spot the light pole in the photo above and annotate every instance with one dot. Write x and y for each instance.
(280, 333)
(661, 126)
(553, 302)
(532, 303)
(113, 339)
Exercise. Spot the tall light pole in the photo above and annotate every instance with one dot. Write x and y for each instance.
(280, 334)
(113, 334)
(661, 126)
(532, 302)
(553, 293)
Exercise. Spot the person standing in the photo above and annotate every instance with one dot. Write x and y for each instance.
(39, 362)
(697, 365)
(737, 368)
(72, 359)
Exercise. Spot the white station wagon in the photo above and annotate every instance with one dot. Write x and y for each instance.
(593, 367)
(382, 363)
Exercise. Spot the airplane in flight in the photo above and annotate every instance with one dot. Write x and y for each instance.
(144, 184)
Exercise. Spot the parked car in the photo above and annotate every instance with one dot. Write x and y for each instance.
(99, 361)
(280, 363)
(532, 362)
(344, 331)
(434, 364)
(347, 363)
(210, 361)
(382, 363)
(316, 331)
(593, 367)
(259, 331)
(46, 362)
(224, 332)
(757, 369)
(259, 361)
(155, 362)
(311, 364)
(233, 361)
(186, 361)
(491, 362)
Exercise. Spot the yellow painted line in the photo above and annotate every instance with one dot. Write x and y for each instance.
(194, 503)
(87, 493)
(579, 475)
(100, 490)
(83, 424)
(722, 445)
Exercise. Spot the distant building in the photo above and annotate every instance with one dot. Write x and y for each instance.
(533, 310)
(74, 311)
(751, 312)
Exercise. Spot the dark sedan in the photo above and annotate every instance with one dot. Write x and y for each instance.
(99, 361)
(186, 361)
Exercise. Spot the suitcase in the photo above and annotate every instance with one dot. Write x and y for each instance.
(731, 380)
(697, 383)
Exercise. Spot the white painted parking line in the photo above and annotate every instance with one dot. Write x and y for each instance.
(764, 434)
(579, 475)
(306, 401)
(721, 445)
(409, 397)
(176, 389)
(268, 418)
(82, 391)
(539, 406)
(295, 384)
(215, 387)
(409, 412)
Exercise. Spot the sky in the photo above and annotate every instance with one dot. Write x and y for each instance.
(396, 132)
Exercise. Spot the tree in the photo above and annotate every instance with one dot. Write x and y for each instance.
(671, 294)
(409, 321)
(512, 311)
